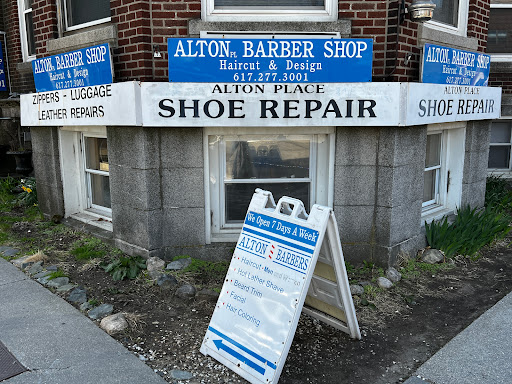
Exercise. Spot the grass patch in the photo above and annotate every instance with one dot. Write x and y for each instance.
(469, 232)
(498, 195)
(56, 274)
(89, 248)
(414, 269)
(205, 271)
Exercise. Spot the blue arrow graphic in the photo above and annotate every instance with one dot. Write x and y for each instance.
(236, 355)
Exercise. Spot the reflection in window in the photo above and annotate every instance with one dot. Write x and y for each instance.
(500, 146)
(97, 173)
(446, 11)
(499, 38)
(80, 12)
(432, 170)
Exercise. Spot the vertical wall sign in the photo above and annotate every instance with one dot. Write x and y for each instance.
(84, 67)
(443, 65)
(3, 82)
(270, 60)
(256, 316)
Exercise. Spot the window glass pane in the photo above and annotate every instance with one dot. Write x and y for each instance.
(238, 196)
(263, 159)
(499, 156)
(446, 11)
(270, 3)
(499, 38)
(500, 133)
(100, 190)
(29, 26)
(96, 153)
(433, 156)
(84, 11)
(429, 185)
(28, 4)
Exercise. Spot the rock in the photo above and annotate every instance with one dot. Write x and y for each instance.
(356, 290)
(167, 281)
(208, 295)
(9, 252)
(114, 323)
(85, 306)
(44, 280)
(57, 282)
(52, 268)
(186, 291)
(393, 275)
(364, 283)
(42, 274)
(384, 283)
(179, 264)
(35, 268)
(23, 262)
(78, 295)
(66, 288)
(432, 256)
(100, 311)
(181, 375)
(153, 266)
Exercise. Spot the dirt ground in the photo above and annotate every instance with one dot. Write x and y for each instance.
(401, 327)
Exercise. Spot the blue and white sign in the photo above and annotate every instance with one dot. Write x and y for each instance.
(255, 318)
(270, 60)
(443, 65)
(3, 83)
(84, 67)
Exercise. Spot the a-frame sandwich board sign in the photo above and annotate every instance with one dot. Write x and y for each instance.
(252, 327)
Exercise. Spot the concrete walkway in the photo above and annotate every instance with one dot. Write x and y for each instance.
(481, 354)
(57, 343)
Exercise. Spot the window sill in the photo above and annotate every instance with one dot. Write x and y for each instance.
(90, 218)
(429, 215)
(82, 39)
(428, 34)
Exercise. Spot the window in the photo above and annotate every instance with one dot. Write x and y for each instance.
(500, 146)
(84, 13)
(499, 37)
(28, 44)
(287, 164)
(269, 10)
(450, 16)
(443, 172)
(96, 174)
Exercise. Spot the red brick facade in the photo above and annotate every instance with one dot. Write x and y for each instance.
(144, 26)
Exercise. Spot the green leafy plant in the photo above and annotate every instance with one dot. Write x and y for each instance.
(470, 231)
(28, 195)
(125, 267)
(498, 195)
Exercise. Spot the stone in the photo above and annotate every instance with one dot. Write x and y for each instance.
(364, 283)
(78, 295)
(154, 263)
(179, 264)
(114, 323)
(356, 289)
(181, 375)
(186, 291)
(167, 281)
(384, 283)
(57, 282)
(44, 280)
(23, 262)
(432, 256)
(100, 311)
(393, 275)
(9, 252)
(85, 306)
(208, 295)
(35, 268)
(66, 288)
(52, 268)
(42, 274)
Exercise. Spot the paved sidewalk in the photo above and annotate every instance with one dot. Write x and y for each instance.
(57, 343)
(481, 354)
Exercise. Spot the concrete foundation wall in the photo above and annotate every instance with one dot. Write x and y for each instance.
(46, 160)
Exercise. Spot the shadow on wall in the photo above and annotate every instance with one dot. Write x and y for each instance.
(13, 138)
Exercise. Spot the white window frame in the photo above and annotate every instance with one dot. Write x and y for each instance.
(503, 171)
(462, 22)
(83, 25)
(451, 171)
(22, 11)
(330, 13)
(501, 57)
(321, 175)
(72, 162)
(436, 201)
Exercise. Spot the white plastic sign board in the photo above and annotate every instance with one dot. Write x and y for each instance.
(255, 318)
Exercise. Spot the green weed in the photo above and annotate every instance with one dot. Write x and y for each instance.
(469, 232)
(414, 269)
(56, 274)
(89, 248)
(125, 267)
(205, 271)
(498, 195)
(94, 302)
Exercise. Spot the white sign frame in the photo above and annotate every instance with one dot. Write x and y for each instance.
(234, 336)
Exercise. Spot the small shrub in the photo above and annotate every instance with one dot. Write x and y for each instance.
(125, 267)
(470, 231)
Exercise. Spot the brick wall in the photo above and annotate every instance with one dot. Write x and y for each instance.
(478, 21)
(503, 80)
